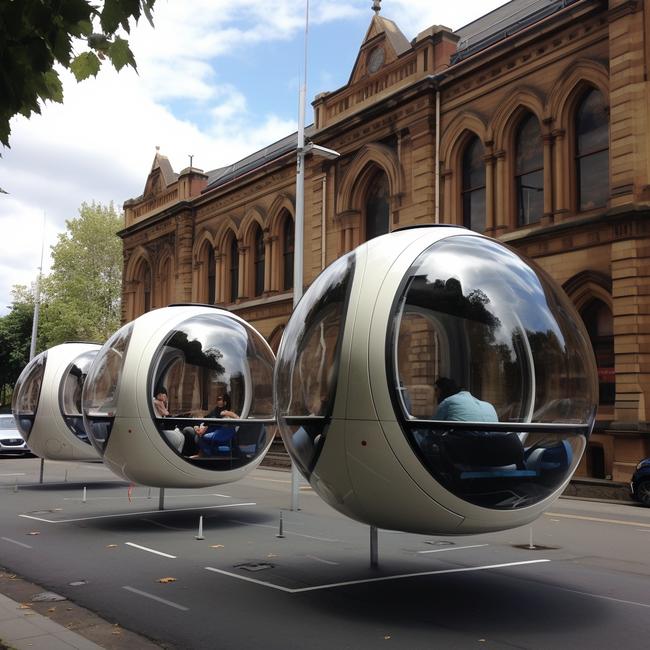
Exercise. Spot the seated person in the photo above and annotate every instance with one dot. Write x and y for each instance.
(209, 439)
(461, 405)
(160, 402)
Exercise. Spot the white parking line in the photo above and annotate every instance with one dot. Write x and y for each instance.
(13, 541)
(149, 550)
(381, 579)
(453, 548)
(320, 559)
(616, 600)
(156, 598)
(134, 498)
(620, 522)
(14, 474)
(132, 514)
(285, 531)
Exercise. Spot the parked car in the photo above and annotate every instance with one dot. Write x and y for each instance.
(11, 442)
(640, 483)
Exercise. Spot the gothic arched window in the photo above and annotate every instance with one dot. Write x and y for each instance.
(258, 261)
(529, 171)
(592, 151)
(146, 287)
(233, 268)
(377, 208)
(600, 325)
(288, 242)
(474, 186)
(212, 287)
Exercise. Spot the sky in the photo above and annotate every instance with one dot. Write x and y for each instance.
(216, 79)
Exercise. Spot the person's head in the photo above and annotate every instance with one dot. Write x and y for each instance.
(222, 402)
(161, 394)
(445, 387)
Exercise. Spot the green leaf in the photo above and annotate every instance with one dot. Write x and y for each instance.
(85, 65)
(120, 54)
(54, 86)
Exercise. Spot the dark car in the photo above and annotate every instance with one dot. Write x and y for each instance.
(640, 483)
(11, 442)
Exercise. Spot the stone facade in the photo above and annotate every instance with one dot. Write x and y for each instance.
(404, 125)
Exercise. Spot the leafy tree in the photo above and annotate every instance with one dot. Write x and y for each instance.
(15, 340)
(81, 296)
(37, 34)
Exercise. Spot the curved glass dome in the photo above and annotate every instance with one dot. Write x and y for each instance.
(70, 392)
(27, 392)
(307, 364)
(473, 315)
(101, 388)
(217, 371)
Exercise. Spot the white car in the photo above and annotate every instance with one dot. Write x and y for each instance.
(11, 442)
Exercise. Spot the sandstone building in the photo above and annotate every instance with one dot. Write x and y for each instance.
(531, 124)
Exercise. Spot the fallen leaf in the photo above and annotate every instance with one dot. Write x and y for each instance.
(166, 580)
(24, 606)
(34, 532)
(387, 636)
(52, 609)
(216, 546)
(111, 545)
(272, 555)
(116, 632)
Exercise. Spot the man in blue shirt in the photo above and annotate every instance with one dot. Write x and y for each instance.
(460, 405)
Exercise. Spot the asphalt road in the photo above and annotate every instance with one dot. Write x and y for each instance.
(585, 582)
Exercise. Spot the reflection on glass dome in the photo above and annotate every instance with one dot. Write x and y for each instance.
(211, 391)
(308, 360)
(27, 392)
(101, 388)
(480, 336)
(70, 393)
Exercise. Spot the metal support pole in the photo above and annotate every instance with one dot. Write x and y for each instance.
(374, 547)
(161, 499)
(40, 478)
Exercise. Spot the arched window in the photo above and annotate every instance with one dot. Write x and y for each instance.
(474, 186)
(600, 326)
(258, 260)
(166, 283)
(592, 151)
(233, 268)
(212, 287)
(288, 242)
(377, 207)
(529, 171)
(146, 287)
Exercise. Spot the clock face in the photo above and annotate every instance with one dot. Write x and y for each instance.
(376, 59)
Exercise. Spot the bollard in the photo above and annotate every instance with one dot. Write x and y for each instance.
(65, 478)
(149, 494)
(280, 532)
(530, 539)
(83, 499)
(200, 535)
(16, 487)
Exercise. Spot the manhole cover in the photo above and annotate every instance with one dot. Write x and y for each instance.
(47, 597)
(254, 566)
(78, 583)
(535, 547)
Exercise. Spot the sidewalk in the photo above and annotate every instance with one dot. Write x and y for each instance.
(30, 620)
(22, 628)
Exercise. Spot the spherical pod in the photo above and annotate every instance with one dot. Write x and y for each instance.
(435, 381)
(182, 397)
(47, 402)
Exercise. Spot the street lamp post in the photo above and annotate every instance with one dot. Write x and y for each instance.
(299, 226)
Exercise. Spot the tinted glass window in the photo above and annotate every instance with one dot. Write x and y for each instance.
(529, 171)
(27, 393)
(377, 207)
(71, 390)
(475, 319)
(308, 359)
(474, 186)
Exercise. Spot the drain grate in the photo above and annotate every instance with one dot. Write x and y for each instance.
(254, 566)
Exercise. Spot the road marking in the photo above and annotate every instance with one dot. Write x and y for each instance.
(616, 600)
(133, 514)
(15, 474)
(150, 550)
(156, 598)
(13, 541)
(598, 519)
(270, 480)
(453, 548)
(320, 559)
(381, 579)
(285, 531)
(134, 498)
